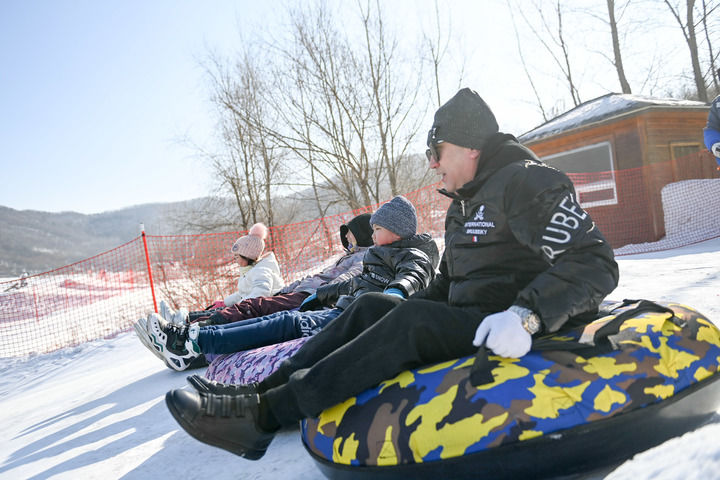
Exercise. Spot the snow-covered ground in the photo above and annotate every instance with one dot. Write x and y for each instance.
(97, 411)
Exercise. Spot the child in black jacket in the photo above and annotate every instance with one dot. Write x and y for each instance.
(399, 263)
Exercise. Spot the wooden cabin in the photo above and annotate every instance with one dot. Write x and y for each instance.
(620, 151)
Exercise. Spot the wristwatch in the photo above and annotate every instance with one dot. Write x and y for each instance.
(530, 320)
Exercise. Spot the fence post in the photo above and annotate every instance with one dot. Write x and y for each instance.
(149, 268)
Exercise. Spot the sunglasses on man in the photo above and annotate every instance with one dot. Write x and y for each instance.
(432, 154)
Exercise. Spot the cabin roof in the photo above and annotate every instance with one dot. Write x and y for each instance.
(600, 109)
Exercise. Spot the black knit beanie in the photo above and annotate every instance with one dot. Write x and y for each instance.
(360, 228)
(398, 215)
(465, 120)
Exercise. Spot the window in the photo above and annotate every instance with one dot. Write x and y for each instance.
(687, 162)
(592, 170)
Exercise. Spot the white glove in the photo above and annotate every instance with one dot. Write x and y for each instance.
(716, 149)
(504, 334)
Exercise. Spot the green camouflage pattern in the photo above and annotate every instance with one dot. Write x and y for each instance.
(434, 413)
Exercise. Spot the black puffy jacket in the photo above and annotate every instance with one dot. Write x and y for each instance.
(408, 264)
(515, 234)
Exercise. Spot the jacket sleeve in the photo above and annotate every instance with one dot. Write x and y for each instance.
(327, 295)
(413, 271)
(348, 266)
(260, 278)
(351, 267)
(262, 282)
(291, 287)
(711, 137)
(713, 121)
(438, 288)
(232, 299)
(544, 215)
(711, 132)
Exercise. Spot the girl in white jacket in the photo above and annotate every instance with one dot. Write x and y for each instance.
(260, 272)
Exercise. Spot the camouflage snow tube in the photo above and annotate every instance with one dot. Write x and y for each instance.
(547, 414)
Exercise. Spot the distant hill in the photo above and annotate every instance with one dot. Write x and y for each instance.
(35, 241)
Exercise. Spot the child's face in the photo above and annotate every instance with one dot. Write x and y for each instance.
(352, 242)
(241, 261)
(383, 236)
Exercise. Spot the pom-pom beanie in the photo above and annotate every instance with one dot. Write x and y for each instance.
(251, 245)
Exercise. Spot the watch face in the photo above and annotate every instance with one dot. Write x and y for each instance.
(531, 323)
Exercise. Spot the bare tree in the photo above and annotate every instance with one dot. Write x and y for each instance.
(323, 120)
(251, 167)
(394, 96)
(617, 55)
(530, 78)
(688, 29)
(552, 37)
(345, 108)
(437, 48)
(714, 70)
(324, 108)
(612, 17)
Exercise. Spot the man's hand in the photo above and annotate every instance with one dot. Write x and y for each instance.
(716, 149)
(504, 334)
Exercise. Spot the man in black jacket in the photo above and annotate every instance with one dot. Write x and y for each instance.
(521, 258)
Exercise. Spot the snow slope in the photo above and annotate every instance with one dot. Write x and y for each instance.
(97, 411)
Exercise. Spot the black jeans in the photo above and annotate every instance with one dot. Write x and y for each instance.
(377, 337)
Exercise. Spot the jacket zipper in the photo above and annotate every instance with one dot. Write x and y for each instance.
(462, 204)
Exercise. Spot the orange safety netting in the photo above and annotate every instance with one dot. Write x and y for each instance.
(656, 207)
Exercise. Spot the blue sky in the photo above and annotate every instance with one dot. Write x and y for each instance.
(96, 96)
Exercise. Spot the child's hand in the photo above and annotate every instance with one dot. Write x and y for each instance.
(310, 303)
(216, 304)
(395, 292)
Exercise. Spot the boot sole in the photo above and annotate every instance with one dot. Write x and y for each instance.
(158, 340)
(210, 440)
(145, 340)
